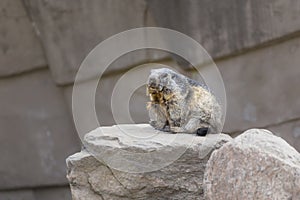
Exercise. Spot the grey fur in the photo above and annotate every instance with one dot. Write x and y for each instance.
(180, 104)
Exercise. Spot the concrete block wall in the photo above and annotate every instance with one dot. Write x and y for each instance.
(18, 54)
(36, 129)
(42, 43)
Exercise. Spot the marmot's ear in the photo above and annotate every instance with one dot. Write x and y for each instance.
(164, 75)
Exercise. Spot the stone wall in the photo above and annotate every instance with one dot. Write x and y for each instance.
(42, 43)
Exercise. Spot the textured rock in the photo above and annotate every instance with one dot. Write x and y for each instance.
(36, 132)
(256, 165)
(91, 179)
(20, 49)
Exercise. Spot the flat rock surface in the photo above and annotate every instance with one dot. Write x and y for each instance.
(141, 148)
(148, 164)
(256, 165)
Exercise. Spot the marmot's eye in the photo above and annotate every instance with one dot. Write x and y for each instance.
(167, 90)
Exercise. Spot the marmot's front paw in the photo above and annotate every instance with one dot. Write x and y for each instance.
(159, 126)
(155, 124)
(166, 128)
(177, 129)
(177, 123)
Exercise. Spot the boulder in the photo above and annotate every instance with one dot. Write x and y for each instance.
(138, 162)
(255, 165)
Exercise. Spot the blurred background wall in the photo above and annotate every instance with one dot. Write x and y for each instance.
(255, 44)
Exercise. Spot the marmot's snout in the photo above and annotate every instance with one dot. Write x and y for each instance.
(153, 85)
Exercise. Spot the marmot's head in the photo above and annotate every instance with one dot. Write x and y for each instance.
(165, 83)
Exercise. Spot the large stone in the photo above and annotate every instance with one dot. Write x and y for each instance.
(262, 86)
(230, 26)
(36, 132)
(20, 48)
(179, 178)
(71, 30)
(255, 165)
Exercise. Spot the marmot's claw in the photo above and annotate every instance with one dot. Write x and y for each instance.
(202, 131)
(177, 130)
(177, 123)
(161, 127)
(165, 129)
(152, 123)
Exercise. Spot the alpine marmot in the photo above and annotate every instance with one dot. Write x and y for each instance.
(180, 104)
